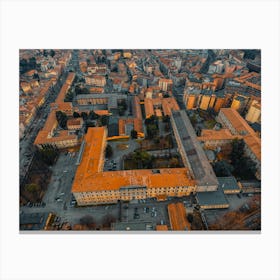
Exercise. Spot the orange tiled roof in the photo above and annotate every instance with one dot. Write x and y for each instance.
(161, 227)
(89, 177)
(87, 181)
(137, 123)
(237, 121)
(76, 121)
(167, 105)
(240, 125)
(64, 106)
(102, 112)
(210, 134)
(178, 217)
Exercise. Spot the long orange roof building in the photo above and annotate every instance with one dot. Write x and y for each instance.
(90, 177)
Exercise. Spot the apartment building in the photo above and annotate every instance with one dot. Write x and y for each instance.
(254, 112)
(231, 119)
(49, 136)
(95, 80)
(93, 186)
(75, 124)
(160, 106)
(165, 84)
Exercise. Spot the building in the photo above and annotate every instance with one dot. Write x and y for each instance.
(50, 136)
(212, 139)
(177, 216)
(231, 119)
(212, 200)
(205, 100)
(33, 221)
(161, 227)
(165, 84)
(95, 80)
(229, 185)
(75, 124)
(220, 101)
(107, 100)
(160, 106)
(127, 125)
(239, 103)
(93, 186)
(254, 113)
(192, 154)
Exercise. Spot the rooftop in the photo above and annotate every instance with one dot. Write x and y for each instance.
(244, 129)
(89, 177)
(210, 134)
(199, 164)
(228, 183)
(209, 199)
(177, 216)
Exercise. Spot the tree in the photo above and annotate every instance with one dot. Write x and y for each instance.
(222, 168)
(190, 217)
(244, 167)
(52, 53)
(165, 119)
(34, 191)
(45, 53)
(133, 134)
(104, 120)
(84, 90)
(108, 151)
(76, 115)
(48, 155)
(152, 131)
(61, 119)
(84, 115)
(93, 116)
(142, 159)
(33, 188)
(89, 221)
(108, 220)
(237, 151)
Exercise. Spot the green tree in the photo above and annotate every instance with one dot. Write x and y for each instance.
(76, 115)
(237, 151)
(222, 168)
(33, 188)
(133, 134)
(52, 53)
(104, 120)
(244, 167)
(142, 159)
(48, 155)
(93, 116)
(89, 221)
(61, 119)
(165, 119)
(84, 115)
(84, 90)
